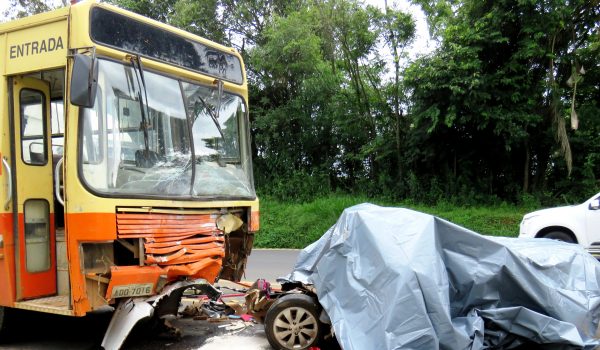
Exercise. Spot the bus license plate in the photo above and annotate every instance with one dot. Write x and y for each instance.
(132, 290)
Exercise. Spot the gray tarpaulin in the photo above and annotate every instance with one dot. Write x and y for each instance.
(393, 278)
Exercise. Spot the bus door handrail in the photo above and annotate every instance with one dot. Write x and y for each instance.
(8, 182)
(57, 174)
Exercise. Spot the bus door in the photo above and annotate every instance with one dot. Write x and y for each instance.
(34, 210)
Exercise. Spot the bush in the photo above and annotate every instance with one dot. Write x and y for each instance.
(297, 187)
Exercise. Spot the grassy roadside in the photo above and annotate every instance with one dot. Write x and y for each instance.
(294, 225)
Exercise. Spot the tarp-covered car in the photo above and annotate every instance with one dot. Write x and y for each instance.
(392, 278)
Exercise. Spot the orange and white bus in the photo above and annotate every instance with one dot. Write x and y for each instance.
(126, 172)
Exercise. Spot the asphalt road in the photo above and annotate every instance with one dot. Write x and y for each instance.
(33, 331)
(270, 264)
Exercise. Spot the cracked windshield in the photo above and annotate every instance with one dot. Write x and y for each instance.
(142, 138)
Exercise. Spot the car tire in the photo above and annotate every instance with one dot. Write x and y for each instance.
(559, 236)
(292, 322)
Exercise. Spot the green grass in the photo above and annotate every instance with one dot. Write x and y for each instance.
(294, 225)
(495, 221)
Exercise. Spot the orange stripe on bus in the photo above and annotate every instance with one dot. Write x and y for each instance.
(91, 226)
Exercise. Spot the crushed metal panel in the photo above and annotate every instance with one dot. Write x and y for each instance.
(425, 283)
(127, 315)
(182, 244)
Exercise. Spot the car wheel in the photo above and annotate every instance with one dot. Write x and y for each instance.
(559, 236)
(292, 322)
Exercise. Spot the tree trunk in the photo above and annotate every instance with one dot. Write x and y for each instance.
(396, 98)
(526, 168)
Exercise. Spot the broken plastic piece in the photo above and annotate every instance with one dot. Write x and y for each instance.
(229, 223)
(247, 318)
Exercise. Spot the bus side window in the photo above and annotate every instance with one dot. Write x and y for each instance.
(33, 128)
(92, 143)
(57, 119)
(57, 122)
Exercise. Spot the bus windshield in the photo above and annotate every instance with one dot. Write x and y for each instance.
(175, 139)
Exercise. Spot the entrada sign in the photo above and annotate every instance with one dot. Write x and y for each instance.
(36, 47)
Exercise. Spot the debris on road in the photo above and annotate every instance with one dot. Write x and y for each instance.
(210, 309)
(258, 299)
(247, 318)
(236, 326)
(236, 342)
(229, 317)
(392, 278)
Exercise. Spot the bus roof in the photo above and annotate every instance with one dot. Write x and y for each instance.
(217, 60)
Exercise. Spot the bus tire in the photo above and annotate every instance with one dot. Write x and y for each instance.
(4, 323)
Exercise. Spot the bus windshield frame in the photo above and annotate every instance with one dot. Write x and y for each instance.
(191, 142)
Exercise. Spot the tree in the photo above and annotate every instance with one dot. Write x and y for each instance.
(399, 31)
(248, 19)
(323, 94)
(291, 128)
(24, 8)
(161, 10)
(201, 18)
(494, 89)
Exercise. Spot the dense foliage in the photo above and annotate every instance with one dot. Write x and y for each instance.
(490, 105)
(506, 108)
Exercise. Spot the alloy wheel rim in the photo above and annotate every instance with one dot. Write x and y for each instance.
(295, 328)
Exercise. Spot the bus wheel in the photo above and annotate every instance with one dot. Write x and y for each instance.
(3, 323)
(292, 322)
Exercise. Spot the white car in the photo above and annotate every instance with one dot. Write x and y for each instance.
(574, 224)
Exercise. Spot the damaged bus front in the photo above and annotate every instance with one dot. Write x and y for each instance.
(136, 135)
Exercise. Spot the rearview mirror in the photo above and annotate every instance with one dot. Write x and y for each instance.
(84, 80)
(595, 204)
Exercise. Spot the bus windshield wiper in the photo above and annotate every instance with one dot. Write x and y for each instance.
(139, 75)
(212, 115)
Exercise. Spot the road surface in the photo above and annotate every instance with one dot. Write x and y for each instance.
(50, 332)
(270, 264)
